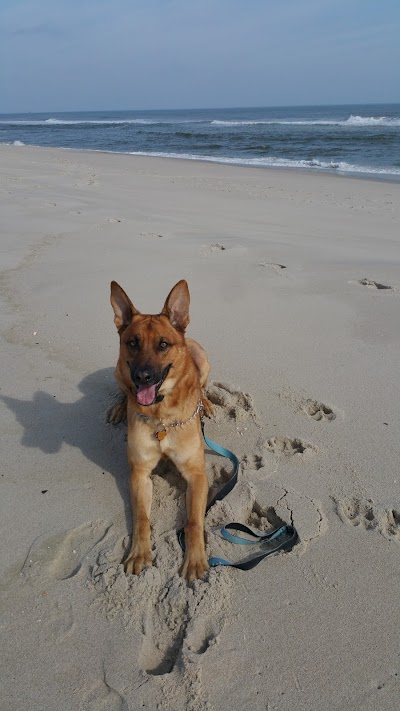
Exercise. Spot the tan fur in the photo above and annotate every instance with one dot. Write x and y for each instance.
(181, 390)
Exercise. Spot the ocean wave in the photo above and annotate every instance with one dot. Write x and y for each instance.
(350, 121)
(275, 162)
(98, 122)
(77, 122)
(371, 121)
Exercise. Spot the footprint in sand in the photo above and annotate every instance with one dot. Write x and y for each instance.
(102, 697)
(370, 284)
(315, 409)
(229, 403)
(364, 513)
(235, 251)
(253, 461)
(288, 447)
(84, 180)
(217, 248)
(63, 556)
(318, 411)
(75, 549)
(152, 235)
(357, 512)
(264, 519)
(218, 477)
(184, 621)
(61, 621)
(288, 506)
(271, 265)
(209, 249)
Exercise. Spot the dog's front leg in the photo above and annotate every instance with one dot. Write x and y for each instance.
(141, 491)
(195, 563)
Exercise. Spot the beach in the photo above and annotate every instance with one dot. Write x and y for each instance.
(295, 295)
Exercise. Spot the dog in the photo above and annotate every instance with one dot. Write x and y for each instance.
(162, 375)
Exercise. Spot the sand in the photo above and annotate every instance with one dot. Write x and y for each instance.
(286, 272)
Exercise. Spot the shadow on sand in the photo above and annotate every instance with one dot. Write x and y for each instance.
(48, 424)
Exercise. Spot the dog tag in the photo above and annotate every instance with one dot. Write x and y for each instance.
(160, 434)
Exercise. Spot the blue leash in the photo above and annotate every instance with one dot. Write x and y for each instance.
(285, 537)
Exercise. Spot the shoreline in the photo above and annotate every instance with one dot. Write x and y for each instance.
(374, 177)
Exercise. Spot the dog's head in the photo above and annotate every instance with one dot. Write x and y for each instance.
(151, 346)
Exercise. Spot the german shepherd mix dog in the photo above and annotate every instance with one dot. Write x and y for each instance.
(162, 375)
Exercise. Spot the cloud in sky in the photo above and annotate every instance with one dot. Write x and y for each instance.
(110, 54)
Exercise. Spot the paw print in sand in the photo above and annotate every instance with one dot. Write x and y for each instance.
(229, 403)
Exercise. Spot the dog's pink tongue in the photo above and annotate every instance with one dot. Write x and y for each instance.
(146, 395)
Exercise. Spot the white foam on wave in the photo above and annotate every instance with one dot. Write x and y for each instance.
(281, 122)
(274, 162)
(351, 121)
(62, 122)
(96, 122)
(18, 143)
(371, 121)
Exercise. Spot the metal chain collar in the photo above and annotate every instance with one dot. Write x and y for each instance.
(162, 430)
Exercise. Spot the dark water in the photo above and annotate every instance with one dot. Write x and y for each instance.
(360, 139)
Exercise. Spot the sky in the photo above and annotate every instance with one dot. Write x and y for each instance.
(72, 55)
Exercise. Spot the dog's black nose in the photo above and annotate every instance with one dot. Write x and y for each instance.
(143, 376)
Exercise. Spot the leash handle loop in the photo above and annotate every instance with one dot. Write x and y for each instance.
(258, 535)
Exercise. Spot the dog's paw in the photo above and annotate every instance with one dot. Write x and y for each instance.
(137, 560)
(194, 567)
(118, 412)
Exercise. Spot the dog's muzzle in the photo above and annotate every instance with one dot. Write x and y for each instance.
(147, 382)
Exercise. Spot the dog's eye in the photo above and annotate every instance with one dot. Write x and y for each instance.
(134, 343)
(163, 345)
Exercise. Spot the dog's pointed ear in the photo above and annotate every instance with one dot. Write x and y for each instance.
(123, 308)
(176, 306)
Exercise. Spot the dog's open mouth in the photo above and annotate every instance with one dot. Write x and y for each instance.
(148, 394)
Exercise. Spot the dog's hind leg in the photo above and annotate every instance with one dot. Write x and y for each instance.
(118, 412)
(200, 360)
(203, 366)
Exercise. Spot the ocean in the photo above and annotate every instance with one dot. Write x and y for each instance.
(360, 140)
